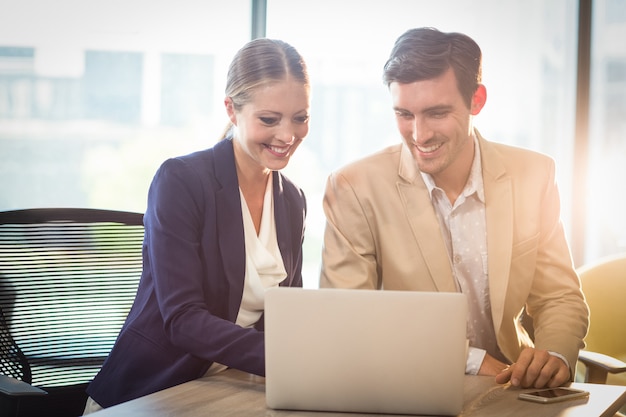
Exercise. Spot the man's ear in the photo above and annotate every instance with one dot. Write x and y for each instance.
(230, 110)
(478, 99)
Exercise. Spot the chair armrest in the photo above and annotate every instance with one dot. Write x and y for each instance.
(599, 366)
(15, 387)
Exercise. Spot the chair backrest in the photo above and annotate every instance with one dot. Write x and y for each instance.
(13, 363)
(604, 286)
(68, 277)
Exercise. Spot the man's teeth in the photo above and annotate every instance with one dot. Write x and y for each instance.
(427, 149)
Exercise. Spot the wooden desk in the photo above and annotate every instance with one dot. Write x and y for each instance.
(237, 394)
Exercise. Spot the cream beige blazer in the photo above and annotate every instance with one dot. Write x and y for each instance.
(382, 232)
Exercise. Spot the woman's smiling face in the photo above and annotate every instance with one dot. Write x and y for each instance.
(270, 127)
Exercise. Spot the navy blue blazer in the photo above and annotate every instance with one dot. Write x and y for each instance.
(193, 277)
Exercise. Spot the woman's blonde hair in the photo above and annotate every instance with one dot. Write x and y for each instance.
(257, 63)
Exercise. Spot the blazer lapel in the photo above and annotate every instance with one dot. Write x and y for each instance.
(424, 223)
(230, 223)
(283, 222)
(498, 211)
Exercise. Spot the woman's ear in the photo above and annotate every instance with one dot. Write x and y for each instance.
(478, 99)
(230, 110)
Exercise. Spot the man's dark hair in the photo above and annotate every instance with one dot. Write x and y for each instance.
(426, 53)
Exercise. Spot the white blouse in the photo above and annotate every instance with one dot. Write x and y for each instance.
(264, 264)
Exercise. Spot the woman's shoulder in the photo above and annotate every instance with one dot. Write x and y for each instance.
(287, 187)
(218, 151)
(215, 161)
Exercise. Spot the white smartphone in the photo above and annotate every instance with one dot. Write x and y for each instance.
(552, 395)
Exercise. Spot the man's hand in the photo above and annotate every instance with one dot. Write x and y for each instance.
(535, 368)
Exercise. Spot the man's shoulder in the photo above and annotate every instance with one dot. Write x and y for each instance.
(374, 163)
(516, 151)
(516, 158)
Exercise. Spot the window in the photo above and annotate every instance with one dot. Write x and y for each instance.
(95, 95)
(605, 221)
(530, 78)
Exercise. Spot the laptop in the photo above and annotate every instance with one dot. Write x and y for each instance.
(368, 351)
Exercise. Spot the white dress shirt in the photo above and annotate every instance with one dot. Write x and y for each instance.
(464, 230)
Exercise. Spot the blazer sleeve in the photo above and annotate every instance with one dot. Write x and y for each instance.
(349, 252)
(556, 301)
(179, 217)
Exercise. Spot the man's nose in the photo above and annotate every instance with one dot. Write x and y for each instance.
(421, 131)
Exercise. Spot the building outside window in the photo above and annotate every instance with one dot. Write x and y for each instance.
(95, 95)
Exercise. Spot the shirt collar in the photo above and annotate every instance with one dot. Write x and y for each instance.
(474, 182)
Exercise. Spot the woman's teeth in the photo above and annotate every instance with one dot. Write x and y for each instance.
(282, 150)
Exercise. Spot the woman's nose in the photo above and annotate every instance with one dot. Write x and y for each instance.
(286, 135)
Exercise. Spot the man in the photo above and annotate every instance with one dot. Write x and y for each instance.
(446, 210)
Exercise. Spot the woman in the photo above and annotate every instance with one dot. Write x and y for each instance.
(221, 226)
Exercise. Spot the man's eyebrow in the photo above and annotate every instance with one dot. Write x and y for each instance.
(437, 108)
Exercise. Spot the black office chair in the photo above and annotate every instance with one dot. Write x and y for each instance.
(68, 277)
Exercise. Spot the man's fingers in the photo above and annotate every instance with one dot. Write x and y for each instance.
(561, 376)
(519, 368)
(535, 368)
(544, 376)
(539, 370)
(504, 376)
